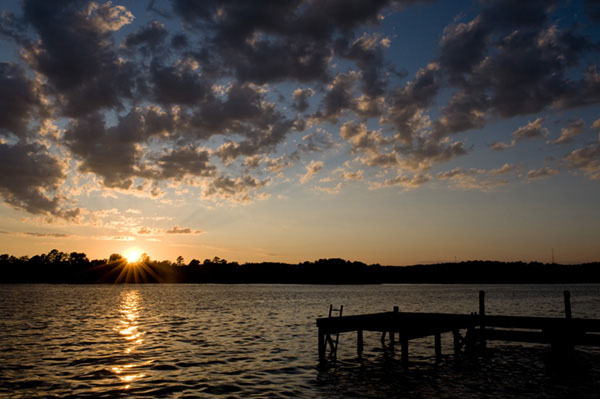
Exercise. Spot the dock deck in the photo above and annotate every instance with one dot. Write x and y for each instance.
(478, 328)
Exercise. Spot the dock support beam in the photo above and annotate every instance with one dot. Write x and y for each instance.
(404, 344)
(567, 295)
(456, 335)
(321, 346)
(359, 342)
(438, 347)
(482, 317)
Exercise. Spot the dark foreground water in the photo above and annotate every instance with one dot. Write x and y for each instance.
(241, 341)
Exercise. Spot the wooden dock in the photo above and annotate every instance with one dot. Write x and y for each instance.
(468, 331)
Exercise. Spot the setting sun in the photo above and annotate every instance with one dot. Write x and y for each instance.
(133, 254)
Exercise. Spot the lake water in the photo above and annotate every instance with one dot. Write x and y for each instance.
(241, 341)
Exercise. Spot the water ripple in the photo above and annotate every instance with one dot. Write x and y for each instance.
(244, 341)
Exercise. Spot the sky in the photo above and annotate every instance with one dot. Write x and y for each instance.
(391, 132)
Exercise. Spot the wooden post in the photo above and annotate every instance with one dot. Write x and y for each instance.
(383, 337)
(567, 295)
(395, 309)
(404, 344)
(321, 346)
(456, 335)
(482, 317)
(438, 347)
(359, 342)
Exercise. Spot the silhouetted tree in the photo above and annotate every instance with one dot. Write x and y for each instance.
(115, 258)
(78, 259)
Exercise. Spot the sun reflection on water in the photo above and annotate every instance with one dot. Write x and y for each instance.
(128, 329)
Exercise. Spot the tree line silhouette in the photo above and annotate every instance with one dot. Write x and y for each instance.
(75, 267)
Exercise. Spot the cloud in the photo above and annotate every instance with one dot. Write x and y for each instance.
(473, 179)
(409, 102)
(19, 100)
(178, 84)
(285, 41)
(48, 235)
(97, 78)
(542, 173)
(147, 39)
(366, 51)
(146, 107)
(531, 131)
(301, 97)
(510, 60)
(338, 97)
(499, 146)
(241, 189)
(311, 169)
(29, 175)
(503, 170)
(586, 160)
(182, 230)
(405, 181)
(573, 129)
(107, 18)
(180, 162)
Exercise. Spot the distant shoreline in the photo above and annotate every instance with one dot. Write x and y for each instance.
(75, 268)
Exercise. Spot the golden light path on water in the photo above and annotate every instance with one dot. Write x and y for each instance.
(128, 329)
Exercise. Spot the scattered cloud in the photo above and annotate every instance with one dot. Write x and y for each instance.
(542, 173)
(239, 96)
(573, 129)
(586, 160)
(182, 230)
(311, 169)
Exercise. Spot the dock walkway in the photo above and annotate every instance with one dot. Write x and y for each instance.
(478, 328)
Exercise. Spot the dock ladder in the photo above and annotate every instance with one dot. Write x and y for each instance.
(333, 345)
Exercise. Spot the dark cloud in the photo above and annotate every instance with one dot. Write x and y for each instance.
(178, 84)
(13, 27)
(301, 97)
(19, 100)
(510, 60)
(147, 39)
(409, 102)
(426, 151)
(592, 8)
(463, 112)
(338, 97)
(238, 189)
(28, 174)
(179, 41)
(179, 162)
(110, 153)
(114, 152)
(367, 53)
(95, 78)
(285, 39)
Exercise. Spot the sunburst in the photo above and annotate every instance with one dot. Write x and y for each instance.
(133, 254)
